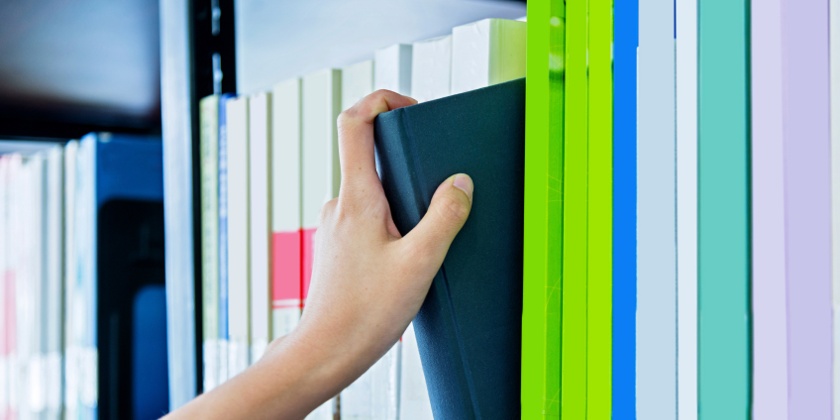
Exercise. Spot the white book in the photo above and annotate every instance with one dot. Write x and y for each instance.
(356, 82)
(656, 315)
(238, 236)
(769, 267)
(487, 52)
(31, 319)
(321, 174)
(5, 242)
(15, 228)
(286, 206)
(84, 296)
(392, 69)
(259, 146)
(686, 68)
(414, 395)
(431, 68)
(54, 285)
(71, 343)
(834, 43)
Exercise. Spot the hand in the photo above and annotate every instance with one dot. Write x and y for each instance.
(368, 283)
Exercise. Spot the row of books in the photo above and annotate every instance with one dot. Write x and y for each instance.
(57, 203)
(682, 210)
(269, 161)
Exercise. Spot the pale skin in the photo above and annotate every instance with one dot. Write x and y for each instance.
(368, 283)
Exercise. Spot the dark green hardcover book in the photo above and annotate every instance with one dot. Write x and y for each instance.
(469, 328)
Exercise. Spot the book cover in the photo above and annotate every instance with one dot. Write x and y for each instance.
(487, 52)
(259, 167)
(465, 315)
(543, 211)
(656, 315)
(574, 283)
(807, 170)
(239, 273)
(686, 106)
(624, 209)
(769, 290)
(209, 169)
(599, 213)
(431, 68)
(286, 207)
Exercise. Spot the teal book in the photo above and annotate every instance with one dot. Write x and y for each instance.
(469, 327)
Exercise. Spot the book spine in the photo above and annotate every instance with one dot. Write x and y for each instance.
(624, 210)
(54, 241)
(209, 149)
(222, 334)
(5, 270)
(769, 300)
(807, 171)
(85, 303)
(71, 366)
(259, 150)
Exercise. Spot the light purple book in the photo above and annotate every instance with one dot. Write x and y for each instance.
(769, 302)
(807, 174)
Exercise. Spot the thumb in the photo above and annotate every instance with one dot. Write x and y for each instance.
(446, 216)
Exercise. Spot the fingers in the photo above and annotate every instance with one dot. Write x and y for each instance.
(355, 136)
(447, 214)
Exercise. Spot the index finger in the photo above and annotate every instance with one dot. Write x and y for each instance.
(355, 136)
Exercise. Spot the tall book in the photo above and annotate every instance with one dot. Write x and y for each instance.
(16, 188)
(223, 337)
(321, 175)
(487, 52)
(835, 190)
(656, 315)
(392, 68)
(474, 304)
(625, 45)
(807, 170)
(259, 166)
(209, 169)
(52, 300)
(574, 252)
(723, 228)
(238, 243)
(599, 213)
(769, 290)
(70, 371)
(431, 68)
(286, 207)
(543, 211)
(686, 103)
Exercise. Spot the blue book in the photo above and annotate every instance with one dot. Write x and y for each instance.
(469, 328)
(626, 29)
(119, 249)
(223, 237)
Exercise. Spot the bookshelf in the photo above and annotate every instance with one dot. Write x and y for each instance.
(222, 46)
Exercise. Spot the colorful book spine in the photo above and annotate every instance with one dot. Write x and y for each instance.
(769, 290)
(223, 338)
(259, 167)
(238, 236)
(626, 27)
(575, 166)
(686, 68)
(286, 207)
(656, 315)
(209, 168)
(599, 213)
(807, 171)
(723, 210)
(543, 222)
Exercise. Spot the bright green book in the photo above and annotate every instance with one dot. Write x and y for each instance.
(723, 211)
(599, 219)
(543, 228)
(575, 167)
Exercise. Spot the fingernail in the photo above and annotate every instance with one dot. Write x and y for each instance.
(464, 183)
